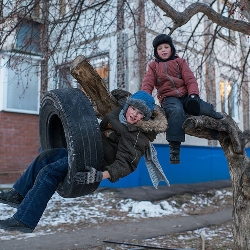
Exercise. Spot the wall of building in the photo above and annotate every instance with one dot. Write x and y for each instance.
(198, 164)
(19, 140)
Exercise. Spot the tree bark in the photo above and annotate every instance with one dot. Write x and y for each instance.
(232, 141)
(45, 48)
(93, 86)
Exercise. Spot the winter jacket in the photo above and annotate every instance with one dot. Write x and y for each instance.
(171, 78)
(126, 145)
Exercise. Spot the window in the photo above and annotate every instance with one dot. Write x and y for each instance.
(28, 37)
(21, 86)
(64, 78)
(228, 93)
(101, 65)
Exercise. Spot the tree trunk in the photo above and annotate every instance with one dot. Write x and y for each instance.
(45, 48)
(225, 130)
(93, 86)
(232, 141)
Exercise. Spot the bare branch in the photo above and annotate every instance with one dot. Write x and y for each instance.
(181, 18)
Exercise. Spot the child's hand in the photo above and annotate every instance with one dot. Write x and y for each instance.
(192, 105)
(90, 176)
(108, 132)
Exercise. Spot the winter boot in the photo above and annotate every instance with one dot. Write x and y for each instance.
(12, 224)
(11, 197)
(174, 152)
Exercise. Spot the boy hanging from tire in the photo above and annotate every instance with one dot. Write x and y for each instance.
(127, 133)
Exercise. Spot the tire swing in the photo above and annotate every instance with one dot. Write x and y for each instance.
(67, 120)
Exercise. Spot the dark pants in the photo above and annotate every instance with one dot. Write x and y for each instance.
(38, 183)
(174, 108)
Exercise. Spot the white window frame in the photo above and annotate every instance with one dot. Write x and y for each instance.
(4, 81)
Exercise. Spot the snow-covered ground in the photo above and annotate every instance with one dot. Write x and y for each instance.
(103, 206)
(62, 214)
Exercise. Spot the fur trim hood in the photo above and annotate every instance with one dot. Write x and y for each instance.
(157, 123)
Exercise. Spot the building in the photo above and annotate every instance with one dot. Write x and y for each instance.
(116, 38)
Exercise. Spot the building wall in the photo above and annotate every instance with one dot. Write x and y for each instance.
(198, 164)
(19, 140)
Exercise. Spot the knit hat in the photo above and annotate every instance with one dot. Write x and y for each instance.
(142, 101)
(160, 39)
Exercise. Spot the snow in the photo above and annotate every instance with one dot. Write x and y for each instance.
(96, 207)
(146, 209)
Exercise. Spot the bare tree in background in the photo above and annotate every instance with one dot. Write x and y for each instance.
(69, 28)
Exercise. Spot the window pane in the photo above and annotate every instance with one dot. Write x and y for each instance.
(65, 79)
(23, 87)
(28, 37)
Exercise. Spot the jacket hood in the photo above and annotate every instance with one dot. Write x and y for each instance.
(160, 39)
(157, 123)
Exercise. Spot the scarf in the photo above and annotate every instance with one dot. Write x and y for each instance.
(122, 118)
(154, 167)
(152, 163)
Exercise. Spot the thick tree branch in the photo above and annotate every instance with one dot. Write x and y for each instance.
(181, 18)
(206, 127)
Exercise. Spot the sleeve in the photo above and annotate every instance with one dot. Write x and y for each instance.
(104, 124)
(149, 79)
(189, 79)
(127, 158)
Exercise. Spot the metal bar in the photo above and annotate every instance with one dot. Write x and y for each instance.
(148, 247)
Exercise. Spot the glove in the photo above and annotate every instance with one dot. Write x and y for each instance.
(90, 176)
(192, 105)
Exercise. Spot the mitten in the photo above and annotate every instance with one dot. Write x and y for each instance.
(192, 105)
(90, 176)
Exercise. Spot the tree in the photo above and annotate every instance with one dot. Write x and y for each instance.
(70, 28)
(231, 138)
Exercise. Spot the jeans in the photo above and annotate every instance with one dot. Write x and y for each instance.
(38, 184)
(176, 116)
(174, 108)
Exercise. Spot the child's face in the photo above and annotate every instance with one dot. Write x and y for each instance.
(164, 51)
(133, 115)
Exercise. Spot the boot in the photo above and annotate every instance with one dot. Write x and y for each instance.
(11, 197)
(174, 152)
(11, 224)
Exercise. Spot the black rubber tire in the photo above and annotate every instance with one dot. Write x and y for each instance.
(67, 120)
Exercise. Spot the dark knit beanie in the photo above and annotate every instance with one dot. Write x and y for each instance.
(160, 39)
(142, 101)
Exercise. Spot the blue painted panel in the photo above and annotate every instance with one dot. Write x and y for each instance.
(198, 164)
